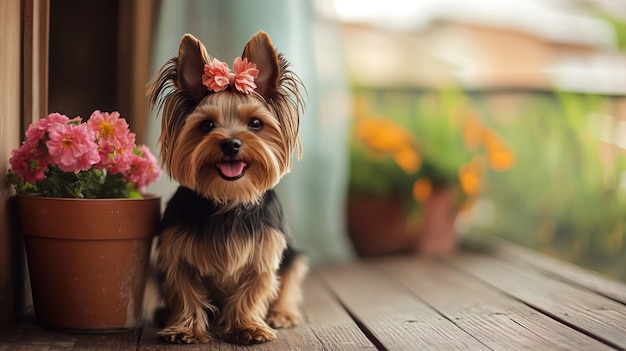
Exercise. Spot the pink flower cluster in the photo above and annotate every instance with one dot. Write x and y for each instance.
(217, 75)
(103, 142)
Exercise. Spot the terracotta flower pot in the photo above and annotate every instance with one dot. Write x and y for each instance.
(378, 226)
(437, 236)
(88, 259)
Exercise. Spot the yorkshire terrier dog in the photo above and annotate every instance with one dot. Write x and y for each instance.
(225, 256)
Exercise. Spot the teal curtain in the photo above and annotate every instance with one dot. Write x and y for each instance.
(314, 193)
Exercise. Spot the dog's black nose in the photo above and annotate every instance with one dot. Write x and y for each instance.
(230, 146)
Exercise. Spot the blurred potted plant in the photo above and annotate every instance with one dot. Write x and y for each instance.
(415, 169)
(87, 224)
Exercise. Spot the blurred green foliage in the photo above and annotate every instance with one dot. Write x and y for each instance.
(565, 195)
(562, 198)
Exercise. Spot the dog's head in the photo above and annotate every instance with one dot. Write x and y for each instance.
(228, 135)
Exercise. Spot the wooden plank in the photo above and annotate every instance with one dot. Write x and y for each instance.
(150, 342)
(122, 341)
(595, 315)
(495, 319)
(566, 271)
(298, 338)
(29, 336)
(328, 320)
(470, 301)
(395, 319)
(327, 326)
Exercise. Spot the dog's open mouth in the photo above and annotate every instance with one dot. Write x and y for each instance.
(231, 170)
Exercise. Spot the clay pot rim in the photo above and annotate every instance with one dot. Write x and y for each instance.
(146, 196)
(102, 219)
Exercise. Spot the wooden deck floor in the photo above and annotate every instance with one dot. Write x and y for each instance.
(506, 298)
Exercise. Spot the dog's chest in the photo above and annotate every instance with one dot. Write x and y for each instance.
(223, 245)
(224, 260)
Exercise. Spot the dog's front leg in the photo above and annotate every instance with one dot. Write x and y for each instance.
(244, 311)
(188, 322)
(185, 295)
(243, 314)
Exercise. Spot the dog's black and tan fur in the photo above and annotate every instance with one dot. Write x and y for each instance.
(224, 253)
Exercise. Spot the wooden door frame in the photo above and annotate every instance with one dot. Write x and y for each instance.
(24, 83)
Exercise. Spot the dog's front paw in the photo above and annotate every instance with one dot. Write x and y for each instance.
(283, 319)
(250, 335)
(182, 335)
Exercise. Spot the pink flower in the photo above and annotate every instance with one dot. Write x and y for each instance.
(57, 146)
(29, 161)
(245, 74)
(217, 75)
(115, 141)
(144, 168)
(72, 147)
(38, 131)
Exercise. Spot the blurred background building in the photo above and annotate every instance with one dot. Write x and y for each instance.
(530, 44)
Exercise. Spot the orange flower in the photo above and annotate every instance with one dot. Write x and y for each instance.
(491, 139)
(384, 136)
(407, 159)
(470, 176)
(499, 156)
(473, 132)
(422, 189)
(500, 159)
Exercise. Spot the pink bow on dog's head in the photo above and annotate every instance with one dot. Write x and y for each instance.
(217, 75)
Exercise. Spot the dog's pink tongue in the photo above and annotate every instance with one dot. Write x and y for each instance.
(231, 169)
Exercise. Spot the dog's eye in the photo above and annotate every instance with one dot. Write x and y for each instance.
(255, 123)
(207, 126)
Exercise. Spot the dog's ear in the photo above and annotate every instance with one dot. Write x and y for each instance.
(192, 56)
(261, 51)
